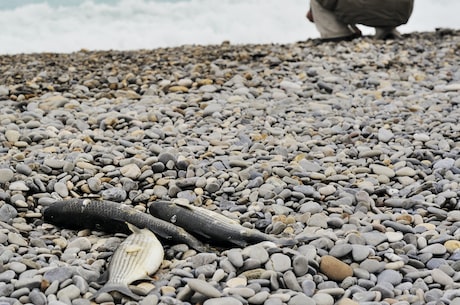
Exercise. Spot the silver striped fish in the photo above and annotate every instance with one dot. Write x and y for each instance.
(138, 256)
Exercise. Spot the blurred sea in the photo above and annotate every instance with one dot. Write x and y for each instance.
(28, 26)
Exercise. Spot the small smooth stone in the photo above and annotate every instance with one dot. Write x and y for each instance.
(244, 292)
(17, 267)
(54, 163)
(61, 189)
(300, 265)
(447, 163)
(37, 297)
(323, 299)
(222, 301)
(12, 135)
(421, 137)
(17, 239)
(131, 171)
(318, 220)
(347, 301)
(360, 252)
(7, 276)
(256, 252)
(382, 170)
(385, 135)
(7, 212)
(259, 298)
(374, 238)
(327, 190)
(204, 288)
(237, 282)
(453, 216)
(441, 277)
(308, 287)
(291, 281)
(334, 269)
(18, 186)
(394, 236)
(6, 175)
(435, 249)
(81, 243)
(279, 262)
(340, 250)
(406, 171)
(69, 292)
(452, 245)
(390, 276)
(373, 266)
(395, 265)
(385, 290)
(273, 301)
(300, 299)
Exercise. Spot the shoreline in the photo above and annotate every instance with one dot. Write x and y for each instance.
(352, 148)
(438, 31)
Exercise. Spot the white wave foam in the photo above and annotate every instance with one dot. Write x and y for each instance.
(138, 24)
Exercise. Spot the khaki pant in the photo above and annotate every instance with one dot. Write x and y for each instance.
(327, 24)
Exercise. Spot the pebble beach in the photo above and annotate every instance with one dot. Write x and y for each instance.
(351, 148)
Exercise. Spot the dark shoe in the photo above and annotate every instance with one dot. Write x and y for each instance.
(343, 38)
(387, 33)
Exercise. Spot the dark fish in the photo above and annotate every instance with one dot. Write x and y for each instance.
(138, 256)
(211, 225)
(110, 216)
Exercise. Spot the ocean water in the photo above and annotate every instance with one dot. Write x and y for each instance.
(28, 26)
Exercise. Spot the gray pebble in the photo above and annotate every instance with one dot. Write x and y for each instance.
(291, 281)
(58, 274)
(300, 265)
(442, 278)
(340, 250)
(37, 297)
(7, 212)
(435, 249)
(223, 301)
(279, 262)
(259, 298)
(323, 299)
(300, 299)
(6, 175)
(204, 288)
(235, 257)
(390, 276)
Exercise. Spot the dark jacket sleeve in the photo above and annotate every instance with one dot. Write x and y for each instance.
(375, 13)
(328, 4)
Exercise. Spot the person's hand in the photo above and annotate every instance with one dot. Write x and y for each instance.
(310, 16)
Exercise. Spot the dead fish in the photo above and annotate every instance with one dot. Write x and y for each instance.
(109, 216)
(211, 225)
(138, 256)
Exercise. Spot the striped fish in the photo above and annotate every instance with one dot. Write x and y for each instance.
(138, 256)
(112, 216)
(211, 225)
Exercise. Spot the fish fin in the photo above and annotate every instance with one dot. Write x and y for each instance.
(183, 204)
(123, 289)
(238, 242)
(103, 278)
(132, 227)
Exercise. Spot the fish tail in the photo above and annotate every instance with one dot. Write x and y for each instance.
(286, 241)
(123, 289)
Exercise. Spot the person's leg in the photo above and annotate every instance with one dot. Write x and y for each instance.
(327, 24)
